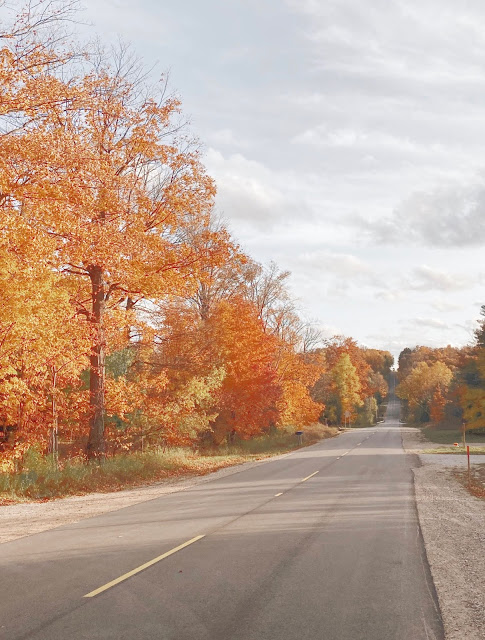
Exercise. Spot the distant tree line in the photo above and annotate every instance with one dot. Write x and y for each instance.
(445, 385)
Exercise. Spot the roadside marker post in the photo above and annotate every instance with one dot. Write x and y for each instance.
(468, 456)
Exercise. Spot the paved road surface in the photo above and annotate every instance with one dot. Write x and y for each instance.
(338, 556)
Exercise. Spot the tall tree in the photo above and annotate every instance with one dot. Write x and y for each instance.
(109, 193)
(347, 385)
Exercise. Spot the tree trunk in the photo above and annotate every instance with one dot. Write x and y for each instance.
(130, 305)
(96, 448)
(54, 439)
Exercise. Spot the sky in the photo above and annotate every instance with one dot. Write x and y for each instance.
(347, 142)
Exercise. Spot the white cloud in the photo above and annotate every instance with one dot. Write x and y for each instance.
(342, 265)
(357, 139)
(433, 323)
(449, 217)
(335, 274)
(391, 295)
(246, 188)
(329, 331)
(251, 193)
(446, 305)
(425, 278)
(227, 138)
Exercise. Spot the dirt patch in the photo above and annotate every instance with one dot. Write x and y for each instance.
(414, 441)
(476, 483)
(453, 526)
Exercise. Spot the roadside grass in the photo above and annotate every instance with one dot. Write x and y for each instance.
(448, 436)
(39, 478)
(457, 450)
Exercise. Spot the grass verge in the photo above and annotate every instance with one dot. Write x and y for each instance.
(448, 436)
(41, 480)
(457, 451)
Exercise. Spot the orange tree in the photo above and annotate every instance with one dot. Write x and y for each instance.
(246, 400)
(108, 189)
(42, 352)
(227, 359)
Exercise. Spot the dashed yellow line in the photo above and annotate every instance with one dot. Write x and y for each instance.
(310, 476)
(125, 576)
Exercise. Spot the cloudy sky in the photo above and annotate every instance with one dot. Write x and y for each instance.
(347, 140)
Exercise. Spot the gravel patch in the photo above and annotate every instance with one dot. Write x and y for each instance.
(25, 519)
(453, 526)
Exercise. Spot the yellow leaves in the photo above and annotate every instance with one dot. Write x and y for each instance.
(347, 384)
(471, 393)
(8, 463)
(473, 403)
(377, 384)
(296, 375)
(422, 382)
(296, 408)
(121, 396)
(437, 406)
(39, 338)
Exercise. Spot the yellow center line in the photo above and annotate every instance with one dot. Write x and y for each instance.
(125, 576)
(310, 476)
(278, 494)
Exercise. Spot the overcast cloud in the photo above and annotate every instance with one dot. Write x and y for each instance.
(346, 139)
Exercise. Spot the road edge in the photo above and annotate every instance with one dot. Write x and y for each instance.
(449, 517)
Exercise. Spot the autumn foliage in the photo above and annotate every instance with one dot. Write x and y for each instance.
(443, 385)
(129, 315)
(354, 381)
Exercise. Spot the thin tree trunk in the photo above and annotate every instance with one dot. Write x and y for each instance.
(130, 305)
(54, 441)
(96, 448)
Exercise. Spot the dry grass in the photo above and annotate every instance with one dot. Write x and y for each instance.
(476, 485)
(448, 435)
(457, 450)
(40, 479)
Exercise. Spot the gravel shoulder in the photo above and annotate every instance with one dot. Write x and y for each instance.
(25, 519)
(453, 526)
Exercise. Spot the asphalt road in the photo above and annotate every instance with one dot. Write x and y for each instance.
(334, 556)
